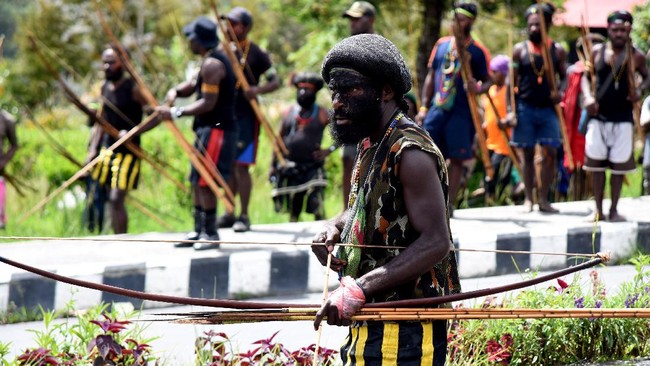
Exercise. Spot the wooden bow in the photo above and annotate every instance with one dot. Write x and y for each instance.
(236, 304)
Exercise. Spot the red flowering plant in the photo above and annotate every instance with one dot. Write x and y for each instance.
(213, 350)
(110, 350)
(551, 341)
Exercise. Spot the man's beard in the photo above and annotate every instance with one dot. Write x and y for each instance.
(364, 116)
(536, 38)
(114, 75)
(467, 31)
(306, 101)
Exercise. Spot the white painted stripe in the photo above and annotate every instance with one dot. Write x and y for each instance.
(249, 273)
(83, 298)
(4, 295)
(620, 239)
(473, 264)
(548, 239)
(168, 278)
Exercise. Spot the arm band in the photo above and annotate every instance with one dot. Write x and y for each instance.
(210, 88)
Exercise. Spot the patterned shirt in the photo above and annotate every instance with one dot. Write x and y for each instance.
(379, 217)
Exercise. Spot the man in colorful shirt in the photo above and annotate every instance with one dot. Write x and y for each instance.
(398, 199)
(445, 111)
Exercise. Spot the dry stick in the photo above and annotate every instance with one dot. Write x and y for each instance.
(550, 76)
(466, 74)
(279, 148)
(85, 169)
(325, 288)
(199, 161)
(511, 153)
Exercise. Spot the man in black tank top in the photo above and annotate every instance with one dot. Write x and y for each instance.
(537, 122)
(119, 170)
(609, 139)
(302, 133)
(214, 124)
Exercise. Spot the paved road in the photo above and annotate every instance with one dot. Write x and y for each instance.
(175, 342)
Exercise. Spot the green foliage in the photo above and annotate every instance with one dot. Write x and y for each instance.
(559, 341)
(86, 338)
(641, 26)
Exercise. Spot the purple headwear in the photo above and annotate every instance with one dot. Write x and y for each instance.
(500, 63)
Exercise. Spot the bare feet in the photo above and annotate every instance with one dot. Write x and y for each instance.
(546, 207)
(528, 206)
(615, 217)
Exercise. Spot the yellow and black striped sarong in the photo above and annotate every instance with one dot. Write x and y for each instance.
(396, 343)
(118, 170)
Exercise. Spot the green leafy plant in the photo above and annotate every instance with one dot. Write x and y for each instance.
(558, 341)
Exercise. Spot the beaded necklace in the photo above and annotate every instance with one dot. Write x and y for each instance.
(617, 74)
(352, 200)
(539, 73)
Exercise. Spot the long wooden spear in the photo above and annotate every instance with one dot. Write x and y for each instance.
(206, 169)
(504, 135)
(466, 75)
(550, 76)
(279, 148)
(112, 131)
(631, 80)
(408, 314)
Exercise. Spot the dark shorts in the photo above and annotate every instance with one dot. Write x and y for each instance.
(117, 170)
(248, 134)
(219, 146)
(536, 125)
(410, 343)
(452, 131)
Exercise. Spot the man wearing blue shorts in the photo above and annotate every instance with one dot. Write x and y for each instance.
(537, 121)
(445, 112)
(255, 63)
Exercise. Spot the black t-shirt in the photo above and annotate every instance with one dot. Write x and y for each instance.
(257, 63)
(222, 115)
(613, 105)
(533, 83)
(120, 109)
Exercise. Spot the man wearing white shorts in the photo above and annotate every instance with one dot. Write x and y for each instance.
(611, 128)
